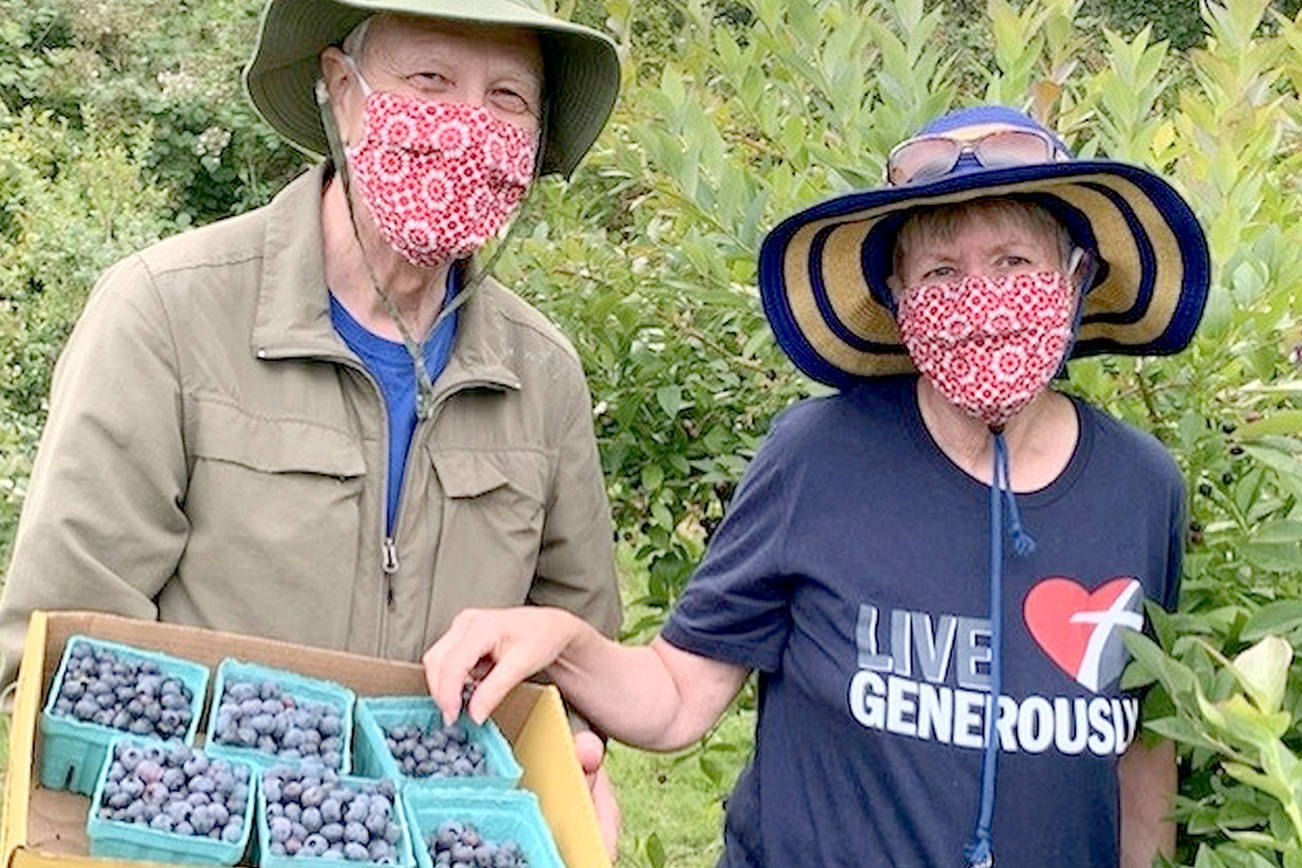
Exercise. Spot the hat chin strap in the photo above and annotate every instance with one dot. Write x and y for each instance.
(471, 278)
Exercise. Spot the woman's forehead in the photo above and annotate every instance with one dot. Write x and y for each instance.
(981, 226)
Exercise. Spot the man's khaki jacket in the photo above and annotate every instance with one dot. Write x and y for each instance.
(215, 455)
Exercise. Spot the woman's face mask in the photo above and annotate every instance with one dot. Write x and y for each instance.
(989, 344)
(440, 178)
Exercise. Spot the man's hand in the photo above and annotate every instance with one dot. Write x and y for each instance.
(591, 752)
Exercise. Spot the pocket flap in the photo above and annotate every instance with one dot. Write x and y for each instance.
(223, 432)
(469, 473)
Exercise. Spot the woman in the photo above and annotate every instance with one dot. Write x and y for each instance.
(862, 567)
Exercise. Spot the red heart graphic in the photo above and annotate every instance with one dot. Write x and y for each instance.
(1062, 617)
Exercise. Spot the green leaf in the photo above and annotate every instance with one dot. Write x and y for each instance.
(652, 477)
(1280, 531)
(1263, 671)
(655, 851)
(1207, 858)
(670, 399)
(1277, 422)
(662, 516)
(1273, 619)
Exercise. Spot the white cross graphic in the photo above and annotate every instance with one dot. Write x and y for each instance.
(1116, 615)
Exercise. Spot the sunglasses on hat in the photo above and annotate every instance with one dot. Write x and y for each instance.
(932, 156)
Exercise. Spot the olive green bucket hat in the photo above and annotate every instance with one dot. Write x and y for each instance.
(581, 67)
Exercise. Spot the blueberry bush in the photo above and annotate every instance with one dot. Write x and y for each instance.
(122, 122)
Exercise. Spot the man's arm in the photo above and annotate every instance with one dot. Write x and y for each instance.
(653, 696)
(1147, 780)
(576, 557)
(102, 526)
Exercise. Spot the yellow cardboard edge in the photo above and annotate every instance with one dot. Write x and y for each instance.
(553, 776)
(22, 738)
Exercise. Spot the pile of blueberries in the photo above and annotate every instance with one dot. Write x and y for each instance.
(266, 718)
(446, 752)
(459, 845)
(174, 788)
(312, 812)
(135, 696)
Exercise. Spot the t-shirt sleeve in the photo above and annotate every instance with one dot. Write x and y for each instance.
(735, 608)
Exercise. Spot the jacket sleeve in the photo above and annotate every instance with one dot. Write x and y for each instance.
(102, 526)
(576, 561)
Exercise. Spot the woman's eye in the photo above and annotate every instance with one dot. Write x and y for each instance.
(1012, 260)
(939, 272)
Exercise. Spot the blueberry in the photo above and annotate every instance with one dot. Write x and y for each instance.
(331, 811)
(280, 829)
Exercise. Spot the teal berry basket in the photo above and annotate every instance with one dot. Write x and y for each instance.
(497, 816)
(267, 859)
(113, 839)
(300, 687)
(373, 759)
(75, 750)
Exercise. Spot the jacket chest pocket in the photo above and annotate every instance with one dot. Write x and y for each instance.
(274, 506)
(492, 524)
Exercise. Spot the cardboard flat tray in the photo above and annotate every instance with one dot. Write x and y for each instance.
(46, 828)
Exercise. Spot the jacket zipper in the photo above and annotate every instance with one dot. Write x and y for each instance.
(389, 563)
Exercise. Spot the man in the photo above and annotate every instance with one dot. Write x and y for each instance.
(934, 685)
(319, 421)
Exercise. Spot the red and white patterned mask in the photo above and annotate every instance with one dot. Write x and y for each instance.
(439, 178)
(989, 344)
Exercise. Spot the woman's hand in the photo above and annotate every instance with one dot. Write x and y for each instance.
(506, 645)
(654, 696)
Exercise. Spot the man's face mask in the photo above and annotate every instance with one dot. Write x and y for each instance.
(989, 344)
(440, 178)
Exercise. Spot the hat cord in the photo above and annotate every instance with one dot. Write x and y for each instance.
(979, 852)
(471, 278)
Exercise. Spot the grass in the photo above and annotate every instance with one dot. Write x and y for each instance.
(671, 797)
(670, 804)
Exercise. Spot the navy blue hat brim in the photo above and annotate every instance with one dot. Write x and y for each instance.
(822, 271)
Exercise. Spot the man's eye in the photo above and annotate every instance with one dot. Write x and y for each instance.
(509, 100)
(431, 79)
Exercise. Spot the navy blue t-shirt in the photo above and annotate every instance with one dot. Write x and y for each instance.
(851, 571)
(391, 366)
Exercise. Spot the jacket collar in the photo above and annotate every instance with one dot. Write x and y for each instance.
(292, 318)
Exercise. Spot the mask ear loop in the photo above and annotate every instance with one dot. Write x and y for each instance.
(1082, 268)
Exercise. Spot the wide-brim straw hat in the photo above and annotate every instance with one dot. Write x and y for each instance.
(581, 67)
(822, 272)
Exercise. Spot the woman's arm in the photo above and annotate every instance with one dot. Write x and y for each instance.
(653, 696)
(1147, 780)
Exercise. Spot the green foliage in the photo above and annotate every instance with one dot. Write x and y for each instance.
(122, 122)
